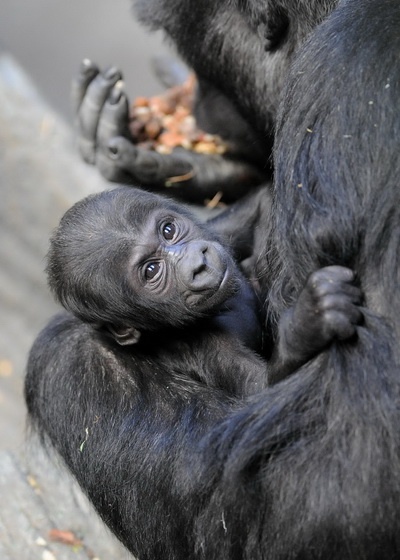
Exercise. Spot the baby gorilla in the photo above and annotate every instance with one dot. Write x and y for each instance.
(143, 271)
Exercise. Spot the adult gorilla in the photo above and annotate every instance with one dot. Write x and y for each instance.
(327, 474)
(311, 468)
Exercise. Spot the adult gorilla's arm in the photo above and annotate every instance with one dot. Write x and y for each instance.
(102, 115)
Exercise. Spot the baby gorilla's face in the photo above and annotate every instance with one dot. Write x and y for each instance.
(134, 261)
(179, 263)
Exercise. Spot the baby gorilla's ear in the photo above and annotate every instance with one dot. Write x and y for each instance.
(124, 335)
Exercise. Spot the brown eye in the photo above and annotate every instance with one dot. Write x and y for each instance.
(151, 270)
(169, 231)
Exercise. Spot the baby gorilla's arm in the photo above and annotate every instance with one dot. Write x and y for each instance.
(240, 316)
(327, 310)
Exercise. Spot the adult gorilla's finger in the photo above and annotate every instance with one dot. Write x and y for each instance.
(142, 165)
(192, 176)
(114, 117)
(87, 72)
(90, 110)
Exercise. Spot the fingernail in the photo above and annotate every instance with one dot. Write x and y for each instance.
(87, 66)
(115, 96)
(112, 73)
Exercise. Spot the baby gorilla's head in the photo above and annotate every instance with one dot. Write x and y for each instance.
(134, 261)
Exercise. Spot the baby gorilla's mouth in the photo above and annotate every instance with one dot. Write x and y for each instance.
(195, 297)
(211, 298)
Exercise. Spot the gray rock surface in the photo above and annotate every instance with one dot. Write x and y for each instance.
(41, 176)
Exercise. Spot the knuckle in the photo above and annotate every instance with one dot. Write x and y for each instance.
(329, 302)
(315, 279)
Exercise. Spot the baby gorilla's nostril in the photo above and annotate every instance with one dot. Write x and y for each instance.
(199, 269)
(198, 262)
(201, 265)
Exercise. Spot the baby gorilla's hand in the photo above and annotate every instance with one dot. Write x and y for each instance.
(327, 309)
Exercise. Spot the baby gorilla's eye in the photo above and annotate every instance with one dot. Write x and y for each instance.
(168, 231)
(151, 270)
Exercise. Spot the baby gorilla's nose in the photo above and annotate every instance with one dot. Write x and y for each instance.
(199, 263)
(201, 267)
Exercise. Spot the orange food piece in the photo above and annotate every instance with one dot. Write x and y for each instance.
(141, 101)
(64, 537)
(165, 121)
(153, 128)
(161, 105)
(171, 139)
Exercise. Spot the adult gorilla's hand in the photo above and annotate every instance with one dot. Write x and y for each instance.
(102, 115)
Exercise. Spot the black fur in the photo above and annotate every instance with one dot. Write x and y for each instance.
(310, 468)
(96, 265)
(196, 304)
(322, 471)
(218, 40)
